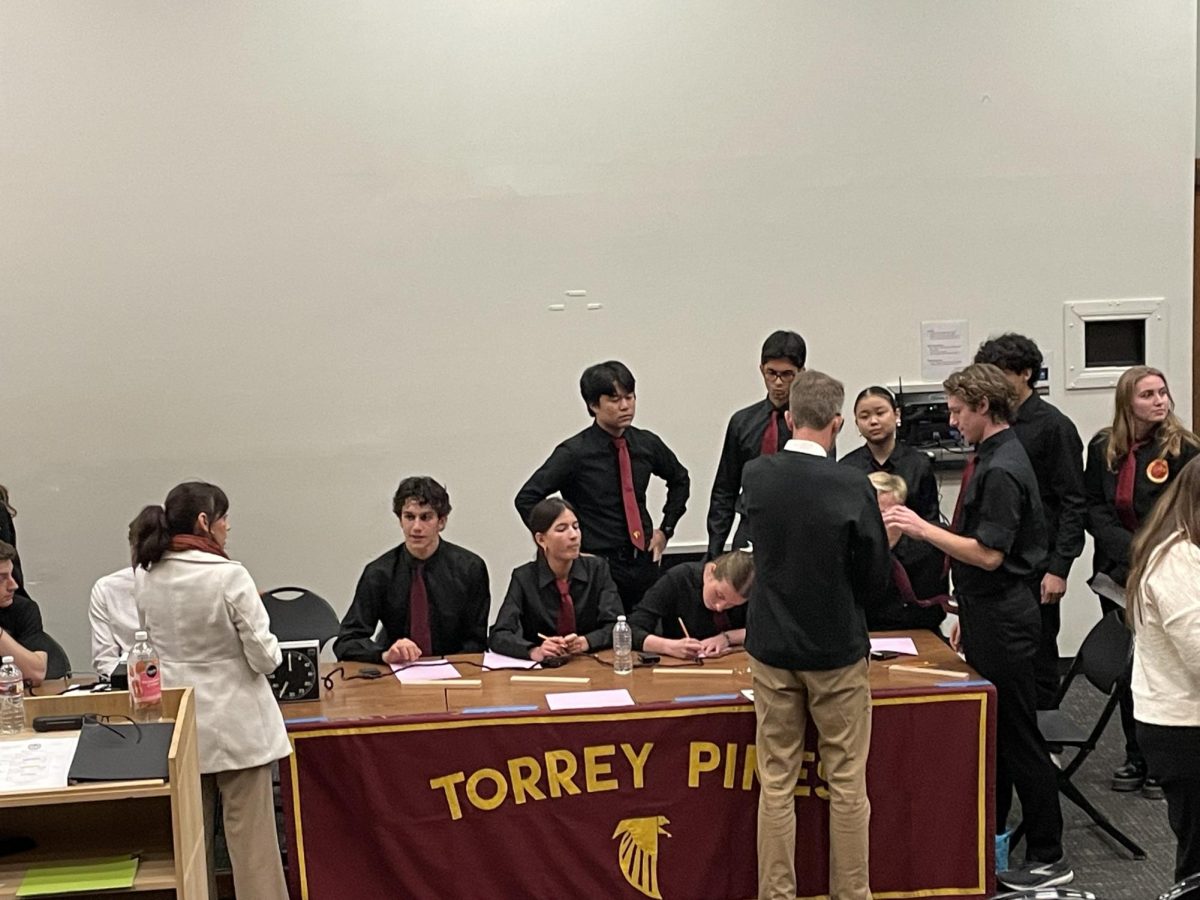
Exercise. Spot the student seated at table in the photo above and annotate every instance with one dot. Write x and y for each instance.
(918, 580)
(709, 598)
(430, 597)
(21, 634)
(570, 599)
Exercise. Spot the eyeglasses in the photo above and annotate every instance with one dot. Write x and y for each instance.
(785, 376)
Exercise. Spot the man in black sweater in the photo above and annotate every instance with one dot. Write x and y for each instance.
(996, 544)
(1055, 451)
(821, 555)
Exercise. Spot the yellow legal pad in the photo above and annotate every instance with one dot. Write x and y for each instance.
(73, 876)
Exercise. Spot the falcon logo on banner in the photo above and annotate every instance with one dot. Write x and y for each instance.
(637, 853)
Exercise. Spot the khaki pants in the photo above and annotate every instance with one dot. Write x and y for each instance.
(250, 834)
(839, 701)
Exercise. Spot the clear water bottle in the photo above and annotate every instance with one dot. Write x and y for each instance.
(12, 697)
(145, 680)
(622, 647)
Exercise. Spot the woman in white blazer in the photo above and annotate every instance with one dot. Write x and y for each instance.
(210, 628)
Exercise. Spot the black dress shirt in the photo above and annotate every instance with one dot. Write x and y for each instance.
(820, 558)
(8, 534)
(913, 466)
(1002, 510)
(743, 442)
(585, 471)
(679, 594)
(532, 604)
(1055, 451)
(456, 582)
(23, 620)
(1112, 538)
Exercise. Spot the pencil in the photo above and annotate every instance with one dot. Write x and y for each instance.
(684, 627)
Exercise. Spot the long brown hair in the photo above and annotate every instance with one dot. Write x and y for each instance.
(4, 501)
(1175, 517)
(1170, 435)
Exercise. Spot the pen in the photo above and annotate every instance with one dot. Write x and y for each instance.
(684, 627)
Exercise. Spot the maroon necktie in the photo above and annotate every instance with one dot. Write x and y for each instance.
(721, 620)
(633, 516)
(903, 583)
(566, 608)
(955, 522)
(770, 438)
(418, 611)
(1126, 479)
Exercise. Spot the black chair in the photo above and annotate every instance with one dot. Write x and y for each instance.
(1102, 659)
(58, 664)
(1054, 893)
(1188, 889)
(302, 616)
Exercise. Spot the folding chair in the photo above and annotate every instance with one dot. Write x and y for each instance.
(1054, 893)
(58, 664)
(1102, 658)
(1188, 889)
(304, 616)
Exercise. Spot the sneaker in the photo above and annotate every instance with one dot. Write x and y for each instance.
(1152, 789)
(1036, 874)
(1130, 777)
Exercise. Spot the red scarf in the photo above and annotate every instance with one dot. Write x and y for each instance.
(1126, 482)
(202, 542)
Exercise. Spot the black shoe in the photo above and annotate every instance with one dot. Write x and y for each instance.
(1152, 789)
(1130, 777)
(1036, 874)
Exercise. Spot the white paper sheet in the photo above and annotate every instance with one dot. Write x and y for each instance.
(896, 645)
(38, 764)
(589, 699)
(500, 661)
(425, 672)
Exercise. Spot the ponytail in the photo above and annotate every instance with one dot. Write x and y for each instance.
(149, 536)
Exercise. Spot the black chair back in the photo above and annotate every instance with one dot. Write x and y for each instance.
(58, 664)
(1104, 655)
(297, 614)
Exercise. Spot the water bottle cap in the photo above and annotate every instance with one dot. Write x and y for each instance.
(6, 661)
(620, 618)
(140, 636)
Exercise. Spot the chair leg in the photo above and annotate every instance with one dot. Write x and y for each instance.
(1072, 793)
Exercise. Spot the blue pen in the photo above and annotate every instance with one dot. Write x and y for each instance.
(705, 698)
(497, 709)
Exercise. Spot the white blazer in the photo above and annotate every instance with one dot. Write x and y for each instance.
(210, 628)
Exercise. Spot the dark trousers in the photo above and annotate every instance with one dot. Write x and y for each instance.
(1133, 753)
(1000, 639)
(1173, 755)
(634, 574)
(1045, 663)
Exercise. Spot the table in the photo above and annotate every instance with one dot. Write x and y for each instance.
(394, 790)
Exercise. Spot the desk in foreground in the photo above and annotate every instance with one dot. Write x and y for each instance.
(400, 794)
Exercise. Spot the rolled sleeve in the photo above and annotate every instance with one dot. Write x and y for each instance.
(999, 500)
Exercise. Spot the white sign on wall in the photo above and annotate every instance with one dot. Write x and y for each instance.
(944, 348)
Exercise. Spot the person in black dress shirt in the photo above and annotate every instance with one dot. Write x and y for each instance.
(877, 416)
(996, 543)
(757, 429)
(8, 534)
(603, 473)
(568, 598)
(430, 596)
(1129, 465)
(709, 598)
(21, 635)
(1055, 451)
(917, 586)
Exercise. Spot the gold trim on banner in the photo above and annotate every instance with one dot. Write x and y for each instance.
(742, 709)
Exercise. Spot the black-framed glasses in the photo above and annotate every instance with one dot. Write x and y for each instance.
(103, 722)
(785, 376)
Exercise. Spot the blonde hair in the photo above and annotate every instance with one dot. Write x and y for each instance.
(983, 381)
(736, 569)
(1175, 517)
(1170, 435)
(886, 483)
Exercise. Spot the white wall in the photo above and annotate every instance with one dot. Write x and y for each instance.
(303, 250)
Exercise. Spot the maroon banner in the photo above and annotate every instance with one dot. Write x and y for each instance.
(646, 802)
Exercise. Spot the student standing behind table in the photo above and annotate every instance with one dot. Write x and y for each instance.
(758, 430)
(211, 631)
(1055, 451)
(1164, 612)
(708, 598)
(877, 416)
(918, 583)
(820, 557)
(996, 543)
(1129, 465)
(430, 596)
(21, 635)
(603, 473)
(571, 599)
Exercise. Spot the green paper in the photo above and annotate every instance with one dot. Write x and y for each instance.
(77, 875)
